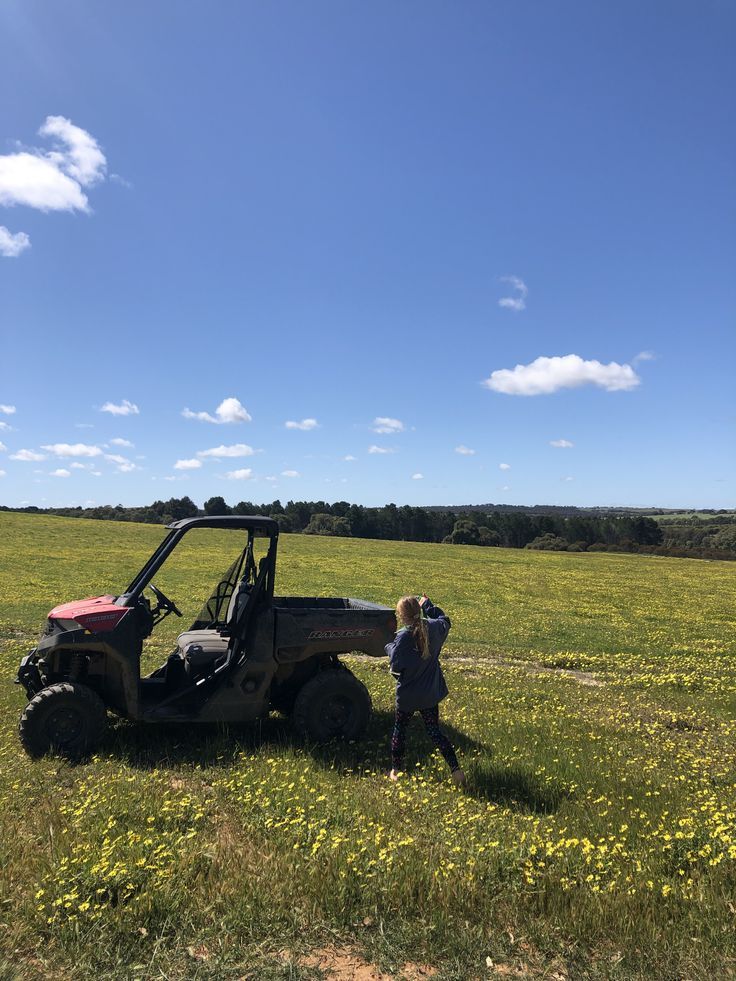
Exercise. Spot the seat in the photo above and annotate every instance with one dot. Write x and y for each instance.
(210, 642)
(198, 660)
(207, 639)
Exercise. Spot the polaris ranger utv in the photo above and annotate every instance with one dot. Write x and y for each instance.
(247, 652)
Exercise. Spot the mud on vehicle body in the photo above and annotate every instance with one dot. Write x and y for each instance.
(247, 652)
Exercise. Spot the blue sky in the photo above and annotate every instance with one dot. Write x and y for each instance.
(489, 227)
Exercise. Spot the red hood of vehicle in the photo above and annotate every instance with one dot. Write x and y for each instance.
(98, 613)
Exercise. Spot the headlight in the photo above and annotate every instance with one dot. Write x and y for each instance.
(68, 624)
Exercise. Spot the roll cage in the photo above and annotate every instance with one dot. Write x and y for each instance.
(260, 577)
(256, 527)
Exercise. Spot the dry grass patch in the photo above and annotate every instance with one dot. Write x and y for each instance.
(341, 963)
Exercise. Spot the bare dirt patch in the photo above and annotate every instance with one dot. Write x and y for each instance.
(532, 667)
(343, 964)
(584, 677)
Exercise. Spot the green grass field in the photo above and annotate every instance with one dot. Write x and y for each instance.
(593, 699)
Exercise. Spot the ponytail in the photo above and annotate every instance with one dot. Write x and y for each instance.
(421, 636)
(410, 613)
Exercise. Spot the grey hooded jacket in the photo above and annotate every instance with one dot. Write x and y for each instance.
(420, 683)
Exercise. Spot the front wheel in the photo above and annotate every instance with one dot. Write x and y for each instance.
(65, 718)
(332, 705)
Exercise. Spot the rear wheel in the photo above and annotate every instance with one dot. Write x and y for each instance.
(332, 705)
(67, 718)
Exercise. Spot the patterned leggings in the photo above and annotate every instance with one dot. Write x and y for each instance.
(431, 719)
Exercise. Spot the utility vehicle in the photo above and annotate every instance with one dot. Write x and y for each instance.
(247, 652)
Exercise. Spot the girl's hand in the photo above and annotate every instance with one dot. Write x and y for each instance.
(423, 599)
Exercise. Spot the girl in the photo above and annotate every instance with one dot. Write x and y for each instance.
(420, 685)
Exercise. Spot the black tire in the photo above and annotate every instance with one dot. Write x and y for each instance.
(67, 718)
(332, 705)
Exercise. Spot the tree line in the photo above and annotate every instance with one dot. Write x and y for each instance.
(507, 528)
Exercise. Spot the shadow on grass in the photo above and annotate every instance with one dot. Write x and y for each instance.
(513, 787)
(173, 744)
(217, 746)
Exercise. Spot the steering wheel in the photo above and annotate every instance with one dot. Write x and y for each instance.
(164, 601)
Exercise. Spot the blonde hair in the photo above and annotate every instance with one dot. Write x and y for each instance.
(409, 612)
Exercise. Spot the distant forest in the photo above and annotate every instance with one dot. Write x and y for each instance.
(710, 534)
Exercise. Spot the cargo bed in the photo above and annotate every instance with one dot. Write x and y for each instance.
(307, 625)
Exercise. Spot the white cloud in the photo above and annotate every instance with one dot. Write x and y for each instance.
(96, 473)
(561, 444)
(568, 478)
(504, 466)
(125, 408)
(124, 465)
(380, 449)
(349, 458)
(5, 427)
(505, 487)
(78, 152)
(517, 302)
(3, 447)
(72, 449)
(201, 416)
(644, 356)
(37, 182)
(464, 450)
(384, 425)
(11, 245)
(305, 424)
(229, 410)
(289, 473)
(122, 442)
(52, 180)
(417, 476)
(244, 474)
(7, 410)
(218, 452)
(117, 179)
(2, 473)
(187, 465)
(81, 466)
(60, 473)
(547, 375)
(28, 456)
